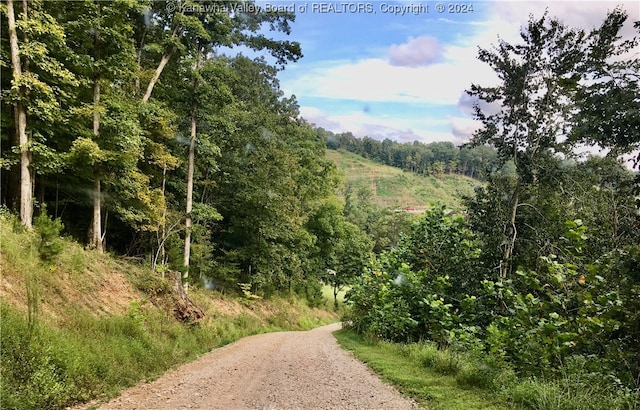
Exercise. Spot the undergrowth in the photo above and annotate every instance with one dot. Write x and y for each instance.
(439, 378)
(57, 349)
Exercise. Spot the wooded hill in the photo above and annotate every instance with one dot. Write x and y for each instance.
(125, 121)
(436, 158)
(392, 188)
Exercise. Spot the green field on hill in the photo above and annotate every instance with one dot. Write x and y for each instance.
(392, 187)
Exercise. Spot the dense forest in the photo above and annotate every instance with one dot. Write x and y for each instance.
(162, 134)
(127, 122)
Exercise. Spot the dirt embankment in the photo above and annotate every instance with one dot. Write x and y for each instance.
(286, 370)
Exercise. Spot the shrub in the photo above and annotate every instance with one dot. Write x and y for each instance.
(49, 243)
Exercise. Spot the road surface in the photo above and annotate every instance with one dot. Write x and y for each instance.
(285, 370)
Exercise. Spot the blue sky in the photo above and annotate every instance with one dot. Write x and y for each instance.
(372, 72)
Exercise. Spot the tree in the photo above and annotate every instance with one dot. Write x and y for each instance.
(105, 61)
(201, 33)
(26, 193)
(608, 113)
(342, 249)
(37, 88)
(536, 103)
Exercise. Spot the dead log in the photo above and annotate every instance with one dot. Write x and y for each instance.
(184, 309)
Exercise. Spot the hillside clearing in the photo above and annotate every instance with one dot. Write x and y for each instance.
(392, 187)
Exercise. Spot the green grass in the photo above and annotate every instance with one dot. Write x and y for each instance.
(95, 330)
(394, 188)
(443, 379)
(327, 294)
(427, 386)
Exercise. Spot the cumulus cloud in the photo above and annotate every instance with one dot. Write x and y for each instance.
(467, 102)
(463, 128)
(364, 125)
(318, 118)
(416, 52)
(375, 80)
(583, 14)
(380, 132)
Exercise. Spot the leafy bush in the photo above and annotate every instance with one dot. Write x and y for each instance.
(408, 293)
(535, 322)
(49, 243)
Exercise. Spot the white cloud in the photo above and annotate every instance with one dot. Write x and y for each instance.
(315, 116)
(424, 70)
(375, 80)
(574, 13)
(467, 102)
(416, 52)
(463, 128)
(362, 124)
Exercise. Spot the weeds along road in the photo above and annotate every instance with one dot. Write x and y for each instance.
(286, 370)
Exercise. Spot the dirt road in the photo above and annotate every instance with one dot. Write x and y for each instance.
(287, 370)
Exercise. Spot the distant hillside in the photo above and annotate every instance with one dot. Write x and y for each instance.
(394, 188)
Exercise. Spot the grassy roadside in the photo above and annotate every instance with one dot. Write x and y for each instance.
(84, 326)
(448, 380)
(430, 388)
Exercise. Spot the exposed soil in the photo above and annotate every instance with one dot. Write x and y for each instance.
(285, 370)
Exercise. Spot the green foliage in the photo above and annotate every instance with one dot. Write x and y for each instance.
(605, 104)
(448, 379)
(91, 357)
(536, 322)
(407, 294)
(424, 373)
(49, 243)
(419, 158)
(246, 291)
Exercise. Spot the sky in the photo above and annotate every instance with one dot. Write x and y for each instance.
(399, 69)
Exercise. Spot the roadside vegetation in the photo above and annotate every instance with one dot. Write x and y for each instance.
(79, 325)
(448, 379)
(532, 291)
(161, 198)
(431, 386)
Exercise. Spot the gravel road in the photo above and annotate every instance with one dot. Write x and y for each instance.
(286, 370)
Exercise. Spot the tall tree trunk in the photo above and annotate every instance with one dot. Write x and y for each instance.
(190, 167)
(96, 230)
(96, 226)
(161, 235)
(20, 118)
(187, 224)
(163, 62)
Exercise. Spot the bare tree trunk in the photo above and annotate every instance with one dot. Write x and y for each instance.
(163, 62)
(161, 235)
(96, 226)
(187, 224)
(20, 118)
(511, 234)
(192, 148)
(96, 233)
